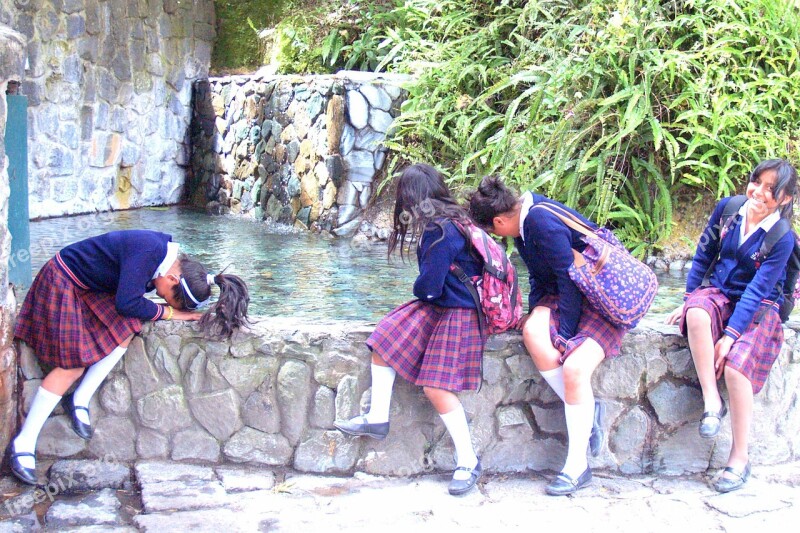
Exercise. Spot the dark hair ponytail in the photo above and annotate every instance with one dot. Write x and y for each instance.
(230, 310)
(194, 289)
(492, 198)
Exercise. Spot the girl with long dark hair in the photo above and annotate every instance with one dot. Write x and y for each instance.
(433, 341)
(87, 303)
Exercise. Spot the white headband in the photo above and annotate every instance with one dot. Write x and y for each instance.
(198, 304)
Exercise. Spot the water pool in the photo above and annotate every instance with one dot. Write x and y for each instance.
(288, 273)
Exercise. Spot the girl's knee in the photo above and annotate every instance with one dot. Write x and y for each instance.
(696, 318)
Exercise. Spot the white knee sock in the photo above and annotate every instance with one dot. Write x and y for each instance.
(456, 423)
(382, 383)
(555, 378)
(43, 404)
(580, 418)
(92, 379)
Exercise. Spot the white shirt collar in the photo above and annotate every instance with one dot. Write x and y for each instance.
(766, 224)
(527, 203)
(169, 259)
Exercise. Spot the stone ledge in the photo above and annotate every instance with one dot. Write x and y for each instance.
(275, 387)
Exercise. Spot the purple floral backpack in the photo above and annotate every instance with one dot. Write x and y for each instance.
(495, 291)
(616, 284)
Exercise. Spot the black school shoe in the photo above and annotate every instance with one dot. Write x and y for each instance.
(458, 487)
(726, 484)
(26, 475)
(84, 431)
(598, 434)
(359, 427)
(564, 484)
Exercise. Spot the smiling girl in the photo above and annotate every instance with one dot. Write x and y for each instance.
(730, 310)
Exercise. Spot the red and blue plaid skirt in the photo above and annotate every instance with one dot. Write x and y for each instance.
(592, 325)
(752, 354)
(67, 326)
(431, 346)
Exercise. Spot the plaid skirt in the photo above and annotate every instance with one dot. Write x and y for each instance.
(67, 326)
(752, 354)
(431, 346)
(592, 325)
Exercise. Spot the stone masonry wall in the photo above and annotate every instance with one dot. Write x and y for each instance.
(270, 395)
(109, 91)
(12, 62)
(302, 151)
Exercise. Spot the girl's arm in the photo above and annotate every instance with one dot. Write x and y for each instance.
(434, 261)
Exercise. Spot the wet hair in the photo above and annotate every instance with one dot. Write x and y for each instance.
(423, 199)
(492, 198)
(785, 182)
(228, 312)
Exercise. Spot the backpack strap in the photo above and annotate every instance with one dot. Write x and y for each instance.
(473, 291)
(728, 214)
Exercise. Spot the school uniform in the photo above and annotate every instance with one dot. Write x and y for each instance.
(89, 298)
(435, 340)
(545, 245)
(744, 295)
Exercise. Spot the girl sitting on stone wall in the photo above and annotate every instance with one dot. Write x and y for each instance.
(86, 304)
(730, 310)
(566, 337)
(435, 340)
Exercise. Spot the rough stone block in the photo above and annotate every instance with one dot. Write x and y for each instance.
(114, 439)
(101, 508)
(675, 403)
(294, 394)
(85, 475)
(58, 439)
(115, 395)
(218, 413)
(195, 444)
(236, 479)
(326, 452)
(164, 410)
(250, 445)
(324, 411)
(151, 444)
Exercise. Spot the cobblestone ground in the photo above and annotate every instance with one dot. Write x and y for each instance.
(164, 497)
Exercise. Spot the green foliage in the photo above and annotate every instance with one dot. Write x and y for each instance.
(610, 107)
(237, 44)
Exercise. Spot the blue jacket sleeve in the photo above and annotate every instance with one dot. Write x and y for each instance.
(763, 283)
(434, 261)
(707, 249)
(554, 243)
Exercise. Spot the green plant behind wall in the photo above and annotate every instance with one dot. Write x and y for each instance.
(238, 46)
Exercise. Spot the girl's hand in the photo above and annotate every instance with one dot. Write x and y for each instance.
(522, 321)
(186, 315)
(721, 351)
(675, 316)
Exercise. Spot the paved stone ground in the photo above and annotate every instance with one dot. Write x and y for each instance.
(159, 497)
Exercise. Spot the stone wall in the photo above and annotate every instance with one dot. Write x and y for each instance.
(303, 151)
(270, 395)
(109, 90)
(12, 62)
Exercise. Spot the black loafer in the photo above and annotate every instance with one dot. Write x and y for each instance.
(24, 474)
(359, 427)
(563, 484)
(458, 487)
(711, 421)
(84, 431)
(728, 484)
(598, 433)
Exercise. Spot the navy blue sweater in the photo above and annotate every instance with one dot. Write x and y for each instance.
(736, 274)
(547, 252)
(435, 283)
(121, 263)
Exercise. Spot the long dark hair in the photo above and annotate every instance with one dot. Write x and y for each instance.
(228, 312)
(785, 182)
(492, 198)
(423, 199)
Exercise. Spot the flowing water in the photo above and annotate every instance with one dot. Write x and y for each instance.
(288, 273)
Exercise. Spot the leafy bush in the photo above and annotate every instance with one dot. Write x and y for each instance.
(612, 107)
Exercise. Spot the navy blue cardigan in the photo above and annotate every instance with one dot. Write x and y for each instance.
(547, 252)
(736, 274)
(435, 283)
(121, 263)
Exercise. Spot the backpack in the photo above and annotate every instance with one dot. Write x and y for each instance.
(791, 285)
(495, 292)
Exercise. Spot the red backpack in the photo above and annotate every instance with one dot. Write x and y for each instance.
(495, 291)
